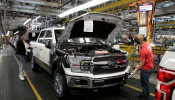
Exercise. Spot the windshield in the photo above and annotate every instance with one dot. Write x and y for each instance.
(32, 36)
(86, 40)
(58, 34)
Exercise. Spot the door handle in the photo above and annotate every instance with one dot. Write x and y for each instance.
(40, 49)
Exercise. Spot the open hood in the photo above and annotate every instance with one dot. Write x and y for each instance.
(97, 25)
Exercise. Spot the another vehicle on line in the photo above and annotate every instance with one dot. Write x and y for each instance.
(10, 40)
(15, 40)
(81, 56)
(165, 88)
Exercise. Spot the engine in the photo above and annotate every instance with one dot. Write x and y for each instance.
(90, 50)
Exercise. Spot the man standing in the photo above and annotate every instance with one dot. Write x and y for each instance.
(146, 65)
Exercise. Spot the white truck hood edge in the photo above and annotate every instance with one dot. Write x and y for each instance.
(100, 17)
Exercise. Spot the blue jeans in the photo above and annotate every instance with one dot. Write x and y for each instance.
(145, 75)
(21, 59)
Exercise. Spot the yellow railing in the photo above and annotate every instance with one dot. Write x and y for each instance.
(132, 50)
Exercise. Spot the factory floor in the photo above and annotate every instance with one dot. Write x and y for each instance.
(39, 85)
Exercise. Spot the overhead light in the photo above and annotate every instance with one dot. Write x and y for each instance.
(8, 33)
(36, 18)
(81, 7)
(16, 32)
(27, 21)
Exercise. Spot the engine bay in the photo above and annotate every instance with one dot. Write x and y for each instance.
(89, 50)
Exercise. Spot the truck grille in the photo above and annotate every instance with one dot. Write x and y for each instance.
(109, 58)
(114, 64)
(97, 71)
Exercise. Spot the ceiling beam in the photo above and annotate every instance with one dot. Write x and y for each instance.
(44, 9)
(112, 5)
(41, 2)
(30, 11)
(158, 12)
(120, 4)
(32, 8)
(166, 23)
(14, 23)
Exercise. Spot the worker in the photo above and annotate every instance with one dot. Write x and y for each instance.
(20, 54)
(22, 46)
(146, 65)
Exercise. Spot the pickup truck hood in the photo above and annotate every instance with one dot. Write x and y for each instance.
(100, 25)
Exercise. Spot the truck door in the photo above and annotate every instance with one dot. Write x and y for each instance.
(38, 46)
(46, 51)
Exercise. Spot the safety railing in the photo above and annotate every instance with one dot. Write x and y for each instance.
(134, 54)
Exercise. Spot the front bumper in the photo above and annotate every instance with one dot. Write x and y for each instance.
(89, 83)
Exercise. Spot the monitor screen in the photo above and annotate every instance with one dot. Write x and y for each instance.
(145, 7)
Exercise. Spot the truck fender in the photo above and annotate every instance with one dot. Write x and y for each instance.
(57, 63)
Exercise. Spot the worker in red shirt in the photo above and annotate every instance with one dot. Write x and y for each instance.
(146, 65)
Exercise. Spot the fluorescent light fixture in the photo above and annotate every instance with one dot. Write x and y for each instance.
(81, 7)
(8, 33)
(36, 18)
(27, 21)
(16, 32)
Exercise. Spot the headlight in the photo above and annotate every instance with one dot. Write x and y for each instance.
(78, 66)
(74, 64)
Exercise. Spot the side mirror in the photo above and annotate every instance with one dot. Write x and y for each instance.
(48, 44)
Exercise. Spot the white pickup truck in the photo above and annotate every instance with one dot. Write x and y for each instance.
(79, 55)
(165, 88)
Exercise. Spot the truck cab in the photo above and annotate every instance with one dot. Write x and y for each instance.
(41, 52)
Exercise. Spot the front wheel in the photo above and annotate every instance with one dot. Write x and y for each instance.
(60, 85)
(34, 66)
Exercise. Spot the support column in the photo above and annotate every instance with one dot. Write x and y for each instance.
(1, 25)
(146, 23)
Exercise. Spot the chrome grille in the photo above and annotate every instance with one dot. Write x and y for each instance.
(109, 58)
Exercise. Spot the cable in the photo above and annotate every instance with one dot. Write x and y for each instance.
(64, 4)
(5, 19)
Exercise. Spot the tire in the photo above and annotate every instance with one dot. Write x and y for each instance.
(60, 85)
(34, 65)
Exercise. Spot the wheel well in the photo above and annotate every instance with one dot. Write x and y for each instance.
(56, 65)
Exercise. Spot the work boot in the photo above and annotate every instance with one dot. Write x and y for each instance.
(21, 77)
